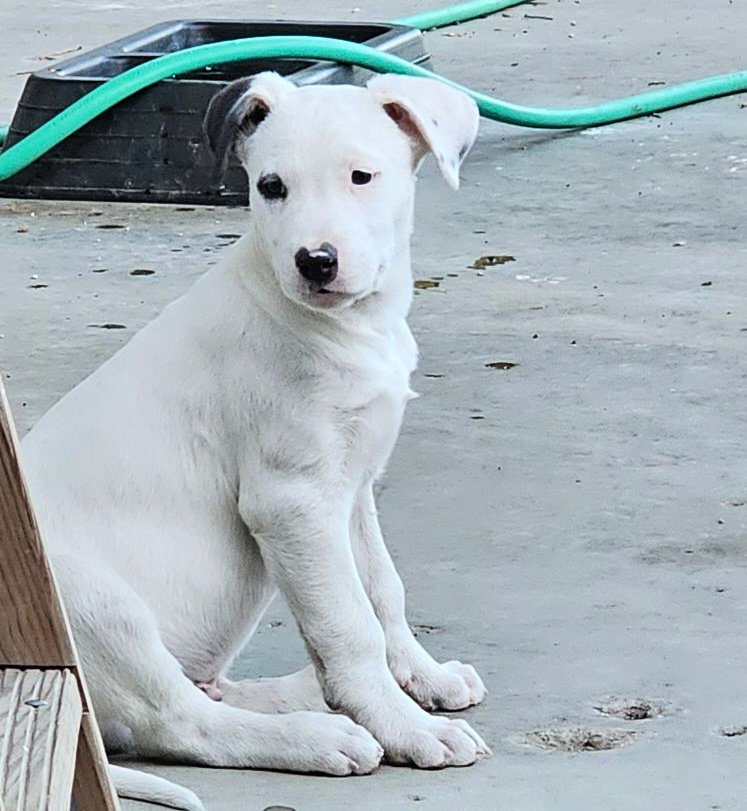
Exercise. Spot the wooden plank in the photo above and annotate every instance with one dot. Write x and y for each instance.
(40, 716)
(92, 788)
(34, 631)
(33, 627)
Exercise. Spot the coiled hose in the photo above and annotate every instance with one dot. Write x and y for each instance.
(115, 90)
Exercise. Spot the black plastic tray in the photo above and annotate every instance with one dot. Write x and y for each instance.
(149, 147)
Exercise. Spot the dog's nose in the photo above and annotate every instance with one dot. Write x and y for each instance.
(318, 266)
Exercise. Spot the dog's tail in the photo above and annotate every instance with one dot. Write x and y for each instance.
(151, 789)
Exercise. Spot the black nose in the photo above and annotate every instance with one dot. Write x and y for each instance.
(319, 266)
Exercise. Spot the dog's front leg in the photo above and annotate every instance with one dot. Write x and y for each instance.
(305, 542)
(447, 686)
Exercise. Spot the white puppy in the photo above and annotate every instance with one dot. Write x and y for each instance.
(230, 449)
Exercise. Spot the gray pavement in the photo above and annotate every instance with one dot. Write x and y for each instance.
(575, 526)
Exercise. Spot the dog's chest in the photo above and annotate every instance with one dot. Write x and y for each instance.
(332, 416)
(368, 434)
(370, 403)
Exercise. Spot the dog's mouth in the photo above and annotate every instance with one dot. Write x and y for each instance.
(330, 298)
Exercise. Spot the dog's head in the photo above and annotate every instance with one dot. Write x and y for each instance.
(331, 174)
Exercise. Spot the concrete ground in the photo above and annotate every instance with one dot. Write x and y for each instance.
(576, 525)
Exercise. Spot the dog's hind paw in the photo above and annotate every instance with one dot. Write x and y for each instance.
(211, 689)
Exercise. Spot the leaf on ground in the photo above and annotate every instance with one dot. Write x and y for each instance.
(142, 272)
(426, 284)
(501, 364)
(57, 54)
(491, 260)
(108, 326)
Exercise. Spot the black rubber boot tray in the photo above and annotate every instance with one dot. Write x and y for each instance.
(149, 147)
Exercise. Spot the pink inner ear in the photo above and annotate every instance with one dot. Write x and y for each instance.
(404, 121)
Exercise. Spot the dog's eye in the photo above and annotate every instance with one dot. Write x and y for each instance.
(271, 187)
(360, 178)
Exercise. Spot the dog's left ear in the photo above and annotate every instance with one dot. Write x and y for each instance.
(236, 111)
(436, 117)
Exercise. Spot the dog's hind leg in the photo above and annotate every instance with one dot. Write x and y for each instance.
(135, 680)
(297, 691)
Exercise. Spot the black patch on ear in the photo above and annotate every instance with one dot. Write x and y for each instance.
(221, 118)
(225, 118)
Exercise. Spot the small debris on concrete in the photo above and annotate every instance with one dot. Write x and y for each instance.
(422, 628)
(491, 260)
(733, 732)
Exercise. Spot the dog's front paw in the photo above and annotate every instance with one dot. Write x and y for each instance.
(447, 686)
(439, 743)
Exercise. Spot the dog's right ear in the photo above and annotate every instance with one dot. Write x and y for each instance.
(235, 113)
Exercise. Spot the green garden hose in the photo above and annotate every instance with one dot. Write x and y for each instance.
(456, 14)
(115, 90)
